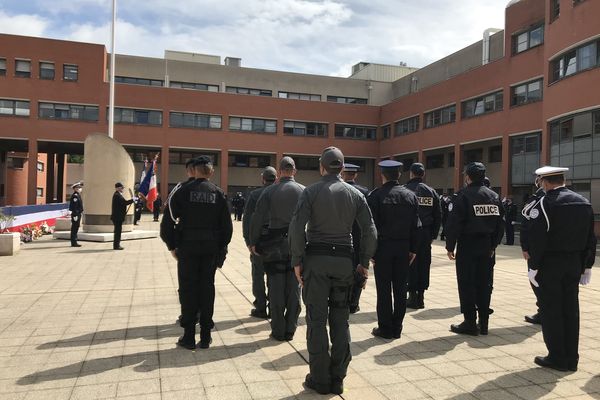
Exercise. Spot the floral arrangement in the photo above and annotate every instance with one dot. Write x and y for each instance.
(32, 232)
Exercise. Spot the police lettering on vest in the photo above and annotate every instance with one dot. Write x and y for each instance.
(425, 201)
(203, 197)
(485, 210)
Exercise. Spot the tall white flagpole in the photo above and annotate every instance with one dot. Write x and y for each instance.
(111, 100)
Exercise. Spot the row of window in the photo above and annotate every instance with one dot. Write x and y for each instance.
(555, 8)
(441, 160)
(47, 70)
(579, 59)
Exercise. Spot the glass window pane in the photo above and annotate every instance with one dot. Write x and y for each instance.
(522, 42)
(155, 117)
(587, 56)
(271, 126)
(22, 108)
(189, 120)
(536, 36)
(570, 63)
(235, 123)
(23, 66)
(215, 122)
(246, 124)
(7, 107)
(91, 113)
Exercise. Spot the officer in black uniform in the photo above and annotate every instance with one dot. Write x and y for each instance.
(276, 204)
(199, 243)
(524, 237)
(323, 263)
(156, 206)
(269, 175)
(395, 211)
(118, 214)
(445, 203)
(76, 208)
(430, 215)
(510, 216)
(562, 247)
(138, 208)
(349, 175)
(474, 224)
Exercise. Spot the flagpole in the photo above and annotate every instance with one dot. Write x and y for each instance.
(111, 100)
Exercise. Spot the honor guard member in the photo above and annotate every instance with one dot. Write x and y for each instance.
(396, 214)
(524, 237)
(156, 206)
(269, 175)
(276, 205)
(562, 247)
(430, 215)
(76, 208)
(349, 175)
(118, 213)
(474, 228)
(323, 263)
(199, 243)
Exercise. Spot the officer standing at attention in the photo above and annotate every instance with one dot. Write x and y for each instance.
(475, 226)
(199, 243)
(118, 213)
(562, 250)
(396, 214)
(430, 215)
(276, 205)
(323, 263)
(510, 216)
(349, 174)
(76, 208)
(269, 175)
(445, 203)
(524, 237)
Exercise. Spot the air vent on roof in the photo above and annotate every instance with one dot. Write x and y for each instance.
(233, 61)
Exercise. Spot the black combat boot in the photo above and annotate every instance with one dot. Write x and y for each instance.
(187, 341)
(337, 386)
(467, 327)
(483, 326)
(205, 338)
(420, 302)
(411, 302)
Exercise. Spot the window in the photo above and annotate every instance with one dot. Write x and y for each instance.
(306, 163)
(450, 159)
(194, 86)
(299, 96)
(360, 162)
(253, 92)
(139, 117)
(190, 120)
(574, 61)
(434, 161)
(19, 108)
(70, 72)
(295, 128)
(440, 116)
(526, 93)
(249, 161)
(2, 66)
(252, 125)
(23, 68)
(528, 39)
(385, 131)
(495, 154)
(138, 81)
(181, 157)
(473, 155)
(554, 9)
(47, 70)
(483, 105)
(40, 166)
(40, 192)
(406, 126)
(355, 132)
(346, 100)
(15, 162)
(68, 111)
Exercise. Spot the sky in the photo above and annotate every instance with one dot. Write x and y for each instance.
(323, 37)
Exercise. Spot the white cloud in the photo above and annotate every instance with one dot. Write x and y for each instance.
(23, 24)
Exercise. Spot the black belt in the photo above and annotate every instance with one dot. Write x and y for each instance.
(327, 249)
(278, 232)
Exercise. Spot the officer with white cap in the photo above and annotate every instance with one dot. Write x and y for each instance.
(76, 208)
(562, 249)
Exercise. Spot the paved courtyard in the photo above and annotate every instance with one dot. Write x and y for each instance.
(92, 323)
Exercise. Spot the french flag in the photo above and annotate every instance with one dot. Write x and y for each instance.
(148, 184)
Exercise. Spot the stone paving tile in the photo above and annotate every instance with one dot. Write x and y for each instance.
(104, 327)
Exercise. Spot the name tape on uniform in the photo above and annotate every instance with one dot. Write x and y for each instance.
(425, 201)
(203, 197)
(486, 210)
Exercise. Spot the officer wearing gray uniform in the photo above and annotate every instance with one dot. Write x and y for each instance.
(476, 227)
(276, 205)
(259, 292)
(430, 215)
(322, 259)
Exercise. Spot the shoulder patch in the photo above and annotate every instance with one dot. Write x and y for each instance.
(534, 213)
(425, 201)
(450, 207)
(486, 210)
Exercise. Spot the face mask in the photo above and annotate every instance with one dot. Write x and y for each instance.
(79, 190)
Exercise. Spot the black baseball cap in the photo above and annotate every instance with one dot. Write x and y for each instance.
(475, 171)
(287, 162)
(119, 185)
(269, 173)
(417, 168)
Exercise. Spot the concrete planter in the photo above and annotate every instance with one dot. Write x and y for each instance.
(63, 224)
(10, 243)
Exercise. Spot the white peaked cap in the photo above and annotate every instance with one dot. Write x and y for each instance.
(549, 171)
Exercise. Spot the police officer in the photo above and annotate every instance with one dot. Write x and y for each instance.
(430, 215)
(138, 208)
(562, 247)
(269, 175)
(238, 203)
(118, 213)
(76, 208)
(396, 214)
(199, 244)
(524, 237)
(156, 206)
(510, 216)
(349, 175)
(276, 205)
(445, 203)
(475, 226)
(323, 263)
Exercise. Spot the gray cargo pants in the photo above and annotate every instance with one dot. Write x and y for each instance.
(328, 283)
(258, 283)
(284, 299)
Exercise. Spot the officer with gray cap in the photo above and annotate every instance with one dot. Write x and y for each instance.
(76, 208)
(562, 250)
(269, 175)
(396, 214)
(476, 227)
(323, 263)
(275, 207)
(430, 215)
(349, 174)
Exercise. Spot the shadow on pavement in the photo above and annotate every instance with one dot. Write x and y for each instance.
(434, 313)
(592, 387)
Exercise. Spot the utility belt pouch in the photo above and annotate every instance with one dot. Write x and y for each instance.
(274, 247)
